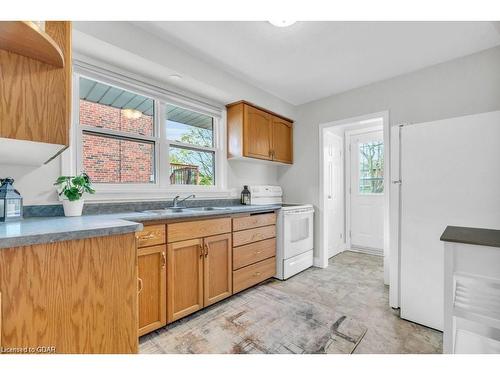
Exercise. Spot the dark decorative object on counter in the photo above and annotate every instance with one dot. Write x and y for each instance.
(245, 195)
(11, 202)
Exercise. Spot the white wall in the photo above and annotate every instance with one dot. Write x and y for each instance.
(463, 86)
(131, 49)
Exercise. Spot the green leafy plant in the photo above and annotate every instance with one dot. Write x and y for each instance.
(73, 187)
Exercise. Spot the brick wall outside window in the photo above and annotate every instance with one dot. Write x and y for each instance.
(112, 160)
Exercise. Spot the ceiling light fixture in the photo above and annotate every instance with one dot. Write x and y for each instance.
(132, 114)
(282, 23)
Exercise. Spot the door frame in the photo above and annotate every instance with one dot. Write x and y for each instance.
(347, 177)
(321, 260)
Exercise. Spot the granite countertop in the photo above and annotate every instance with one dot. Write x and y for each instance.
(53, 229)
(472, 236)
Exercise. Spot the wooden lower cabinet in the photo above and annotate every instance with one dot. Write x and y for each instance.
(251, 275)
(75, 296)
(199, 274)
(152, 270)
(217, 270)
(184, 278)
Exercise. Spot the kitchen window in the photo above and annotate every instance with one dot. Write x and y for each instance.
(117, 134)
(191, 147)
(133, 138)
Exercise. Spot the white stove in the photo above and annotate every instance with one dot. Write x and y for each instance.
(295, 231)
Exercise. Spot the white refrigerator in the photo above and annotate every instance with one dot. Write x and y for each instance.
(450, 175)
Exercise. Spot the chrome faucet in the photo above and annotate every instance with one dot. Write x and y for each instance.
(177, 201)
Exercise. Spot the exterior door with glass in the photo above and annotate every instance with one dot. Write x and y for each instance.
(366, 191)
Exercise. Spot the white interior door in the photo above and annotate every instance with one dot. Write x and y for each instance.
(449, 174)
(334, 193)
(366, 191)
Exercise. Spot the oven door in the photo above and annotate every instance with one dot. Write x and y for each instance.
(298, 232)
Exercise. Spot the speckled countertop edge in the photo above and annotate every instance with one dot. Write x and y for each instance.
(472, 236)
(54, 229)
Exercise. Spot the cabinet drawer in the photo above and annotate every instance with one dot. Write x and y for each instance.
(253, 253)
(252, 235)
(197, 229)
(250, 275)
(151, 235)
(253, 221)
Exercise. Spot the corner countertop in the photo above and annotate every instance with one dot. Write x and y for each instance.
(54, 229)
(472, 236)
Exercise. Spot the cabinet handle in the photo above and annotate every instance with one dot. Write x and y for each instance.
(257, 274)
(147, 236)
(201, 251)
(141, 284)
(206, 250)
(163, 260)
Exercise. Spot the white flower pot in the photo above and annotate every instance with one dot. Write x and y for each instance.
(74, 208)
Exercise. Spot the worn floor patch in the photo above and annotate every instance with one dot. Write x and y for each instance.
(338, 309)
(266, 320)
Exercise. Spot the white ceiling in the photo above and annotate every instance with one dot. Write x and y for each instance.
(312, 60)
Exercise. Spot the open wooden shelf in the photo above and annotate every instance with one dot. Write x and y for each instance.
(27, 39)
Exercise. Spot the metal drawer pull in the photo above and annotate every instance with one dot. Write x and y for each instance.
(141, 284)
(206, 250)
(257, 274)
(148, 237)
(201, 251)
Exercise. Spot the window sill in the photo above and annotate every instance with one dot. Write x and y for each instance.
(113, 195)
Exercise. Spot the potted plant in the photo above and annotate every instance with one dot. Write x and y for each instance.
(71, 189)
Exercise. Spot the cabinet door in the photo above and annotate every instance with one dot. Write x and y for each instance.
(218, 277)
(184, 278)
(282, 147)
(257, 133)
(152, 263)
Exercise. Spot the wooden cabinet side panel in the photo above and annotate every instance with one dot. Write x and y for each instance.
(35, 103)
(235, 131)
(78, 296)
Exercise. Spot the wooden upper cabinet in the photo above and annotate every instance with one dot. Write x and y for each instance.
(152, 266)
(257, 133)
(254, 132)
(282, 146)
(218, 273)
(35, 102)
(184, 278)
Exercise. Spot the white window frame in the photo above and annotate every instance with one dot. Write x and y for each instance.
(72, 161)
